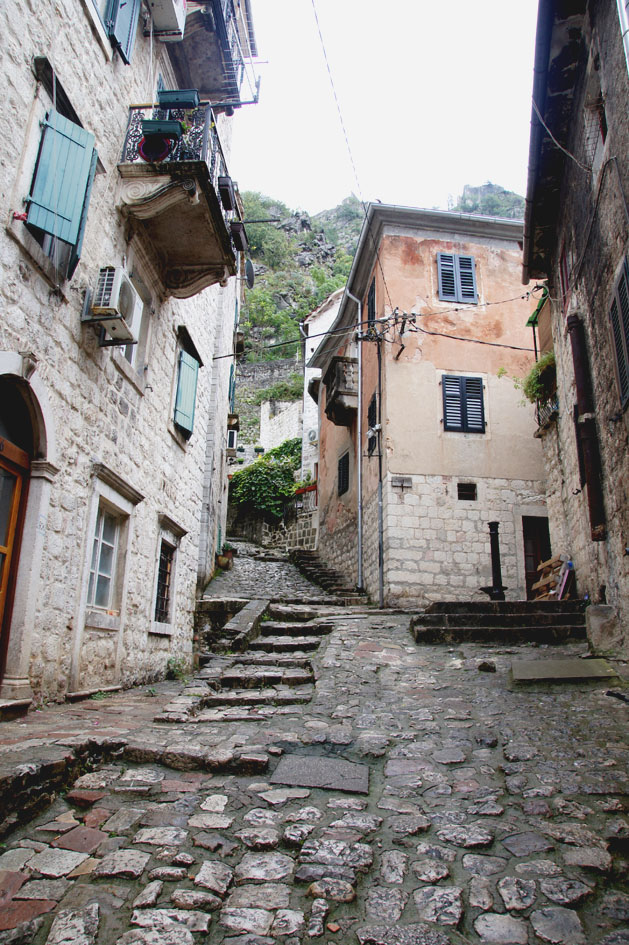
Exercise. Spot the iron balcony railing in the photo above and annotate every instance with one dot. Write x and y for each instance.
(306, 499)
(198, 142)
(546, 413)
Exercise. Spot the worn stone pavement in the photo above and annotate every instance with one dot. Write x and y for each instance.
(493, 814)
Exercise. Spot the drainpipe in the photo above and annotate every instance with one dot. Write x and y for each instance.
(380, 522)
(359, 476)
(586, 429)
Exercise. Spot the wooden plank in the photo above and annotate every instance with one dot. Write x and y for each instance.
(551, 563)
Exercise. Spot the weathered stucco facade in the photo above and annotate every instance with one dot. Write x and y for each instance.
(440, 476)
(101, 545)
(576, 235)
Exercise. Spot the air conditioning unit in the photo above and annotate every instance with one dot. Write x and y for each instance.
(117, 306)
(169, 19)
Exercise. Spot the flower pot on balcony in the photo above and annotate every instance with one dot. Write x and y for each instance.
(164, 129)
(178, 98)
(226, 191)
(154, 148)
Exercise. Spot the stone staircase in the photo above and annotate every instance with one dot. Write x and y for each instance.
(501, 622)
(311, 566)
(274, 671)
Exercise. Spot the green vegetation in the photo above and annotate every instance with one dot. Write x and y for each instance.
(490, 200)
(290, 389)
(298, 267)
(265, 485)
(540, 383)
(176, 668)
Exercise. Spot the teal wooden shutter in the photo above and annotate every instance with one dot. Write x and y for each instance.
(186, 391)
(447, 277)
(467, 279)
(61, 178)
(122, 22)
(75, 255)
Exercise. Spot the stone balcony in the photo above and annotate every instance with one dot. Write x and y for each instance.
(179, 201)
(341, 388)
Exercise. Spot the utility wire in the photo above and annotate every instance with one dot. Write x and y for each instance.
(391, 321)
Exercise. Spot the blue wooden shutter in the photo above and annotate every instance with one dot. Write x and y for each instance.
(75, 255)
(447, 277)
(186, 391)
(122, 22)
(474, 413)
(61, 179)
(452, 403)
(467, 279)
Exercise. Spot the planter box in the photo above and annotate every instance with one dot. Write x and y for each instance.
(178, 98)
(163, 129)
(239, 236)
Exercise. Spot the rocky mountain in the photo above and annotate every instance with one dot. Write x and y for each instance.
(490, 200)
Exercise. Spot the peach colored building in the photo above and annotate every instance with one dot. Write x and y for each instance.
(423, 436)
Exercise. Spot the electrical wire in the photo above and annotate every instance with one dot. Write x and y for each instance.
(583, 167)
(351, 156)
(391, 321)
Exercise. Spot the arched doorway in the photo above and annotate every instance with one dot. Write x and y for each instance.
(16, 454)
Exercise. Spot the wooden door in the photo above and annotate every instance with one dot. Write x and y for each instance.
(14, 473)
(536, 547)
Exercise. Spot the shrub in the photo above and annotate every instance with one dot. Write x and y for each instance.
(541, 382)
(266, 484)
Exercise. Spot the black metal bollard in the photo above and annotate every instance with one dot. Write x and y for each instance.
(497, 590)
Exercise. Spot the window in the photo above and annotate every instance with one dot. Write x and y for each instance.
(188, 364)
(164, 582)
(371, 305)
(120, 19)
(231, 439)
(343, 474)
(463, 408)
(60, 191)
(457, 278)
(103, 563)
(466, 491)
(372, 420)
(619, 317)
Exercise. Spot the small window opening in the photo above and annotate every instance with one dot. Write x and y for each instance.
(164, 582)
(466, 491)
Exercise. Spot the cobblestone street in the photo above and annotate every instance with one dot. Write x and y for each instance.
(419, 797)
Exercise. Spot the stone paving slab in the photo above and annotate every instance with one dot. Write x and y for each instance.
(328, 773)
(544, 670)
(492, 815)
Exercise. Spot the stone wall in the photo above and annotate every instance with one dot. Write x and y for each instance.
(103, 428)
(279, 421)
(251, 378)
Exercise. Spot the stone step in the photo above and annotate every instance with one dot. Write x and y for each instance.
(500, 621)
(285, 644)
(256, 677)
(497, 635)
(288, 612)
(275, 628)
(507, 607)
(266, 696)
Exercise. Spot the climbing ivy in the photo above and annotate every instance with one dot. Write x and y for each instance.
(265, 485)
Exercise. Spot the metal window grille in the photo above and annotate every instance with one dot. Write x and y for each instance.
(164, 582)
(466, 491)
(372, 420)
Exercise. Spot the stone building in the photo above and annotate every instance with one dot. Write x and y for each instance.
(576, 235)
(314, 328)
(123, 237)
(423, 440)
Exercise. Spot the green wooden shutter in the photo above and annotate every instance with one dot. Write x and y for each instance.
(474, 413)
(186, 391)
(61, 178)
(466, 279)
(447, 277)
(122, 22)
(619, 316)
(75, 255)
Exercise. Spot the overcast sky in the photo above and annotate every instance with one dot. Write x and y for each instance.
(434, 95)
